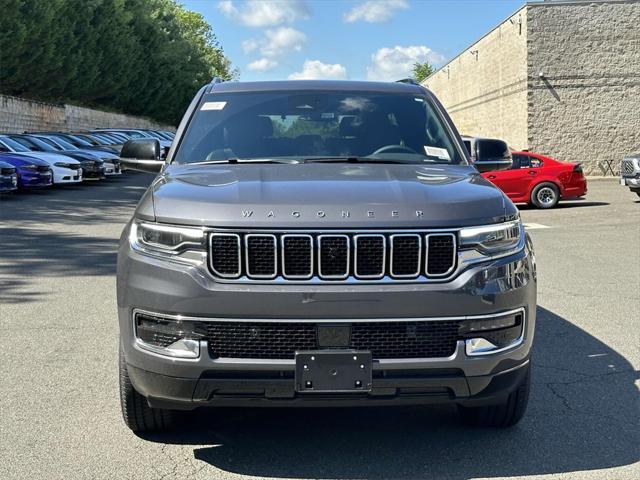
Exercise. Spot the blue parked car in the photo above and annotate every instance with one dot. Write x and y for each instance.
(31, 172)
(8, 178)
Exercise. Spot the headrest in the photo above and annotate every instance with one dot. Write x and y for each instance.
(265, 126)
(349, 126)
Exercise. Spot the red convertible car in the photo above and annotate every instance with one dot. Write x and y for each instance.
(539, 180)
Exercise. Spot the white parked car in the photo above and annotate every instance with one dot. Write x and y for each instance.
(65, 169)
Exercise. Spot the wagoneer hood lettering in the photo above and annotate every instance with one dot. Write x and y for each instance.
(331, 195)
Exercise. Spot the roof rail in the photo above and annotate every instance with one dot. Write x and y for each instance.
(215, 80)
(410, 81)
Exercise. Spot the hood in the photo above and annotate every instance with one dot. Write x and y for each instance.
(94, 154)
(49, 157)
(324, 196)
(80, 155)
(19, 160)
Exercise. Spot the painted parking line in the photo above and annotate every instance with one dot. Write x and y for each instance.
(534, 226)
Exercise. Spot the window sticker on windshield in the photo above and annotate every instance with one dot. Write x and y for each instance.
(213, 106)
(437, 152)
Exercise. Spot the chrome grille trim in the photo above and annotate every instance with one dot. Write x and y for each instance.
(464, 258)
(225, 275)
(419, 259)
(356, 239)
(275, 255)
(348, 262)
(426, 257)
(282, 256)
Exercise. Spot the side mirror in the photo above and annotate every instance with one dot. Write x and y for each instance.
(492, 154)
(142, 155)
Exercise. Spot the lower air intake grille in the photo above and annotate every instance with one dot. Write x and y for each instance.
(421, 339)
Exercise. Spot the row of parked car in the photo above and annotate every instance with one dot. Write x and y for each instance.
(41, 159)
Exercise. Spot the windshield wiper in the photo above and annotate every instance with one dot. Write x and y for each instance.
(244, 160)
(348, 160)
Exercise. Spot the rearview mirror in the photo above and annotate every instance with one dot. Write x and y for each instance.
(142, 155)
(492, 154)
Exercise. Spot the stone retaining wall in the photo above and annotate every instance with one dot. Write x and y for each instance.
(19, 115)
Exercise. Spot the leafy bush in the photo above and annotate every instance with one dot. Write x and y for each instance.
(142, 57)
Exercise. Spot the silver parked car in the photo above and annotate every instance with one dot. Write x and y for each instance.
(630, 172)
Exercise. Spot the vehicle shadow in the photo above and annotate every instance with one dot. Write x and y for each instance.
(565, 204)
(92, 202)
(42, 232)
(583, 415)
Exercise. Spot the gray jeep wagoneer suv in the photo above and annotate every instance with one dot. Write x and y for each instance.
(314, 243)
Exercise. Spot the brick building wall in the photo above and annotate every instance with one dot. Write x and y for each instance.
(18, 115)
(586, 105)
(486, 94)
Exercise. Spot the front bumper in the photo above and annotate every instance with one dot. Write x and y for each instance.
(159, 286)
(8, 183)
(631, 182)
(66, 175)
(29, 179)
(112, 169)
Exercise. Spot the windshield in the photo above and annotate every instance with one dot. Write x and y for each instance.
(62, 143)
(13, 145)
(306, 125)
(34, 144)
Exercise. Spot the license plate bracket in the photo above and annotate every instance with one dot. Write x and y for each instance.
(333, 371)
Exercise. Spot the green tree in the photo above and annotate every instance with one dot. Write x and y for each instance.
(422, 70)
(143, 57)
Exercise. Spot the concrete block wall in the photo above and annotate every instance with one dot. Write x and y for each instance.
(484, 88)
(19, 114)
(586, 105)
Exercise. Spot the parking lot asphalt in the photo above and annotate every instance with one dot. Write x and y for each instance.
(59, 407)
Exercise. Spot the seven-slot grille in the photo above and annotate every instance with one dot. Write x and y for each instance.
(280, 340)
(332, 256)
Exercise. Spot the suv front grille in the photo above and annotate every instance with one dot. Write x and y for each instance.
(327, 256)
(280, 340)
(627, 167)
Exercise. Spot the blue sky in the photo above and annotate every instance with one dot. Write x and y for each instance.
(352, 39)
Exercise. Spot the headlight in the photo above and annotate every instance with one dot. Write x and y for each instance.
(166, 239)
(29, 167)
(62, 165)
(492, 240)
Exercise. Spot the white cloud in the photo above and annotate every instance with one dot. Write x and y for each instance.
(375, 11)
(262, 65)
(397, 62)
(276, 42)
(250, 45)
(316, 70)
(260, 13)
(282, 40)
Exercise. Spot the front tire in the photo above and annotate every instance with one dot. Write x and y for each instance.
(136, 412)
(501, 415)
(545, 195)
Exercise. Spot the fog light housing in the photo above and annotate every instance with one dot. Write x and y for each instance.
(492, 335)
(165, 336)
